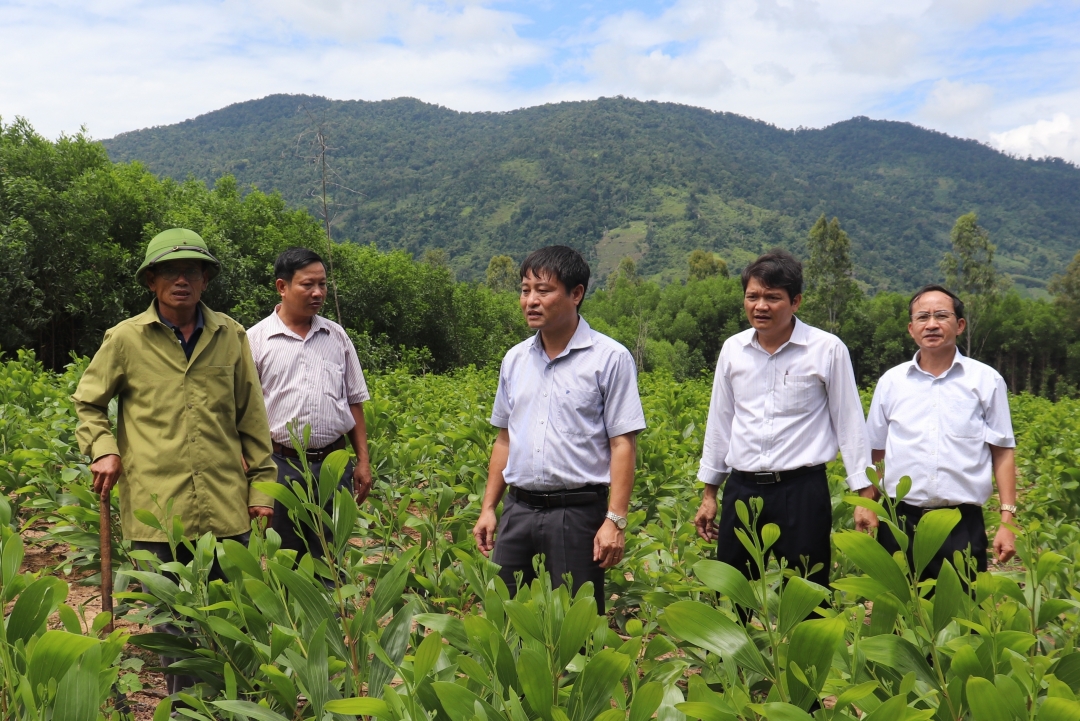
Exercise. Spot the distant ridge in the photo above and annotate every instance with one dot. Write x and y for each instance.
(617, 177)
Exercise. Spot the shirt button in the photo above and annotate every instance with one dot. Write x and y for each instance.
(196, 473)
(189, 405)
(545, 393)
(541, 423)
(537, 450)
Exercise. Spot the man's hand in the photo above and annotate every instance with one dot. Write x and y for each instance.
(1005, 542)
(705, 520)
(106, 470)
(362, 480)
(264, 513)
(608, 544)
(865, 519)
(484, 531)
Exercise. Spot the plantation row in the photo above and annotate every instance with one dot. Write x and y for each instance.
(406, 620)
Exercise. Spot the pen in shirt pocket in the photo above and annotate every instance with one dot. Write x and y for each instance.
(785, 377)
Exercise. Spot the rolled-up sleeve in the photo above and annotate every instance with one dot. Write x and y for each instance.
(845, 410)
(100, 383)
(714, 469)
(622, 403)
(999, 430)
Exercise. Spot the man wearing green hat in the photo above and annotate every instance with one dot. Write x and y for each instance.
(191, 426)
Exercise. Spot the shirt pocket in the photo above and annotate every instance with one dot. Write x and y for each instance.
(579, 412)
(797, 394)
(963, 418)
(333, 379)
(216, 386)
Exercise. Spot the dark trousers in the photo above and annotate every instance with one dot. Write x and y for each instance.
(563, 534)
(968, 534)
(305, 538)
(801, 507)
(179, 682)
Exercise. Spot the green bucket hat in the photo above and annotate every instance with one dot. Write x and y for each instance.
(176, 244)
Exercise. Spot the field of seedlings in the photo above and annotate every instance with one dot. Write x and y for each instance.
(405, 620)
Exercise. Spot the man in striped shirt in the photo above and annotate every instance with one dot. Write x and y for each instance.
(311, 377)
(568, 414)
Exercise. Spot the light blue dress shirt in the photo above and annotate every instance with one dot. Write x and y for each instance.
(561, 412)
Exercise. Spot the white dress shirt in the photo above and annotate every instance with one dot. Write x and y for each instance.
(786, 410)
(939, 430)
(307, 381)
(562, 412)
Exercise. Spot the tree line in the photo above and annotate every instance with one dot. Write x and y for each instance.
(74, 226)
(680, 327)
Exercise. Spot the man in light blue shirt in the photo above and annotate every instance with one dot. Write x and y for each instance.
(568, 411)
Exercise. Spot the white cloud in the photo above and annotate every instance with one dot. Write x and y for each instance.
(886, 48)
(956, 101)
(1058, 137)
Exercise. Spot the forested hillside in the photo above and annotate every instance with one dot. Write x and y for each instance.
(618, 177)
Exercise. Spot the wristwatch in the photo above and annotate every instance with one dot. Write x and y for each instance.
(1010, 507)
(619, 521)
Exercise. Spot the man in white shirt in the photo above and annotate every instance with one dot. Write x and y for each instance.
(568, 414)
(310, 376)
(784, 399)
(944, 420)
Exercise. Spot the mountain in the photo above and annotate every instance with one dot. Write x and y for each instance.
(617, 177)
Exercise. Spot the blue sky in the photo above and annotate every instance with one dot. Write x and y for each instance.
(1006, 72)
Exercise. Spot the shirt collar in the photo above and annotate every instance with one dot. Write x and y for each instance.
(199, 321)
(278, 327)
(582, 338)
(205, 317)
(958, 360)
(800, 335)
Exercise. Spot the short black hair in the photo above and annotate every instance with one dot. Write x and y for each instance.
(562, 263)
(292, 260)
(776, 269)
(957, 304)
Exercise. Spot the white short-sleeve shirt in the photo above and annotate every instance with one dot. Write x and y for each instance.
(938, 430)
(561, 412)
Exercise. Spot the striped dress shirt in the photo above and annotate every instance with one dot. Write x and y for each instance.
(562, 412)
(307, 381)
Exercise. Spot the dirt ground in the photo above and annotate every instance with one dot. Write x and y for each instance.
(43, 557)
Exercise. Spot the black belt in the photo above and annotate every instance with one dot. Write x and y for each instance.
(314, 455)
(557, 499)
(766, 478)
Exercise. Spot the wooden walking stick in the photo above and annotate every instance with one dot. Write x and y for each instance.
(105, 536)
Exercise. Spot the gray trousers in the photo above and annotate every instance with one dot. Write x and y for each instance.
(179, 682)
(564, 535)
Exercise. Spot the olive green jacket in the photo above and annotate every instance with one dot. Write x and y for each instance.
(181, 426)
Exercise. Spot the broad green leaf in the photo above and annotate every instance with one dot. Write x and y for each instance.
(54, 654)
(79, 694)
(705, 712)
(394, 640)
(594, 687)
(726, 580)
(576, 627)
(242, 558)
(312, 599)
(1014, 696)
(360, 706)
(770, 534)
(223, 628)
(162, 587)
(646, 701)
(1048, 563)
(11, 559)
(1067, 670)
(860, 586)
(31, 609)
(799, 599)
(948, 596)
(459, 702)
(986, 702)
(785, 712)
(899, 654)
(708, 628)
(867, 504)
(427, 654)
(250, 710)
(525, 621)
(389, 588)
(451, 628)
(146, 517)
(1051, 608)
(875, 561)
(283, 495)
(163, 712)
(333, 466)
(813, 644)
(854, 693)
(933, 529)
(536, 681)
(1059, 709)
